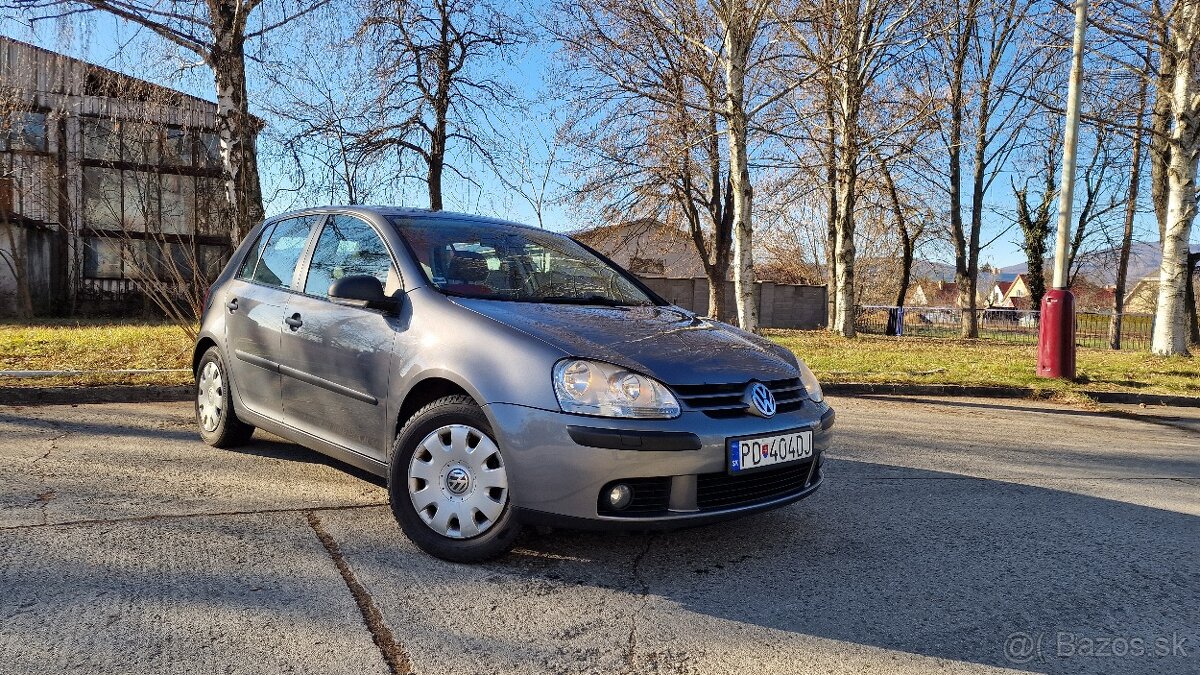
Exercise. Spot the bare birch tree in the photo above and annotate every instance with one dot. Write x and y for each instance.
(1181, 53)
(1131, 207)
(989, 56)
(857, 43)
(652, 111)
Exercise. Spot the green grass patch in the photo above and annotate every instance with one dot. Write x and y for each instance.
(919, 360)
(101, 344)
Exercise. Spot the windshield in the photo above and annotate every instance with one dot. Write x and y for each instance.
(500, 262)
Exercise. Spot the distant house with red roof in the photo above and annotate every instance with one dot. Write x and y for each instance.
(936, 293)
(1010, 294)
(999, 291)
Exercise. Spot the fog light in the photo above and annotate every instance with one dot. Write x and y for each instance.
(619, 496)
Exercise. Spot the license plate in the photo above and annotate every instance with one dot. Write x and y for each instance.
(748, 454)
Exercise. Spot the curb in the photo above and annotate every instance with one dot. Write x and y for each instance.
(114, 393)
(122, 393)
(966, 391)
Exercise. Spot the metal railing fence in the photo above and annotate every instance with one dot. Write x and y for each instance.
(999, 324)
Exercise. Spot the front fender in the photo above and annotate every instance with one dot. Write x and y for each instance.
(491, 361)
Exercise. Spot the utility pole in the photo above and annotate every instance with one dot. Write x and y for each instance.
(1056, 332)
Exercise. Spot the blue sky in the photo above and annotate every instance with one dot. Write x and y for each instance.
(113, 43)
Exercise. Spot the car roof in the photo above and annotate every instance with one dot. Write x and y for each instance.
(408, 212)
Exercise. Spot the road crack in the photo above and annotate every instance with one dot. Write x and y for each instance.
(178, 516)
(393, 654)
(644, 594)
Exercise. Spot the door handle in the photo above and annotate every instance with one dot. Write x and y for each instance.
(232, 305)
(294, 321)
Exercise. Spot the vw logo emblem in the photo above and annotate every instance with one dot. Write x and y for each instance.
(759, 400)
(458, 480)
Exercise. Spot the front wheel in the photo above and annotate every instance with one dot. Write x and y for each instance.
(448, 483)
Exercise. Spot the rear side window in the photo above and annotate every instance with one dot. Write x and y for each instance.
(277, 258)
(248, 265)
(347, 246)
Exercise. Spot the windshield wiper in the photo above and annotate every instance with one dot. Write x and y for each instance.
(585, 300)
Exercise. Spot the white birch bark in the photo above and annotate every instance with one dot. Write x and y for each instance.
(737, 41)
(239, 132)
(1170, 320)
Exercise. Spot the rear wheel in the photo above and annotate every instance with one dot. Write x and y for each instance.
(448, 483)
(219, 425)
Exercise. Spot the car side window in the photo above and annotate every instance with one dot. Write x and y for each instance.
(349, 246)
(251, 261)
(277, 262)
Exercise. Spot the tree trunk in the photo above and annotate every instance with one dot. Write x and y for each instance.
(1135, 174)
(1170, 321)
(906, 249)
(831, 220)
(739, 176)
(239, 133)
(20, 267)
(441, 111)
(1160, 133)
(958, 237)
(847, 180)
(843, 322)
(967, 292)
(716, 295)
(1190, 299)
(437, 162)
(906, 262)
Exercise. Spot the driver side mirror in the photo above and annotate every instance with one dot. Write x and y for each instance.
(362, 290)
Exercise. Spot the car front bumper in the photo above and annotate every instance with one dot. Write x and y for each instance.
(556, 480)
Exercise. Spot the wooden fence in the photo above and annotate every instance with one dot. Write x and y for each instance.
(779, 305)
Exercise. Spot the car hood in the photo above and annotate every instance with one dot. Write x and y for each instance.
(667, 342)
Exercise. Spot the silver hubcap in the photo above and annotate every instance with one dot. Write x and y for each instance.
(209, 390)
(457, 481)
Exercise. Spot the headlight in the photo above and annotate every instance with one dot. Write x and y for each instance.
(595, 388)
(810, 382)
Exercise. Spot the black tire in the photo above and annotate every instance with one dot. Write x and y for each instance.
(492, 543)
(229, 431)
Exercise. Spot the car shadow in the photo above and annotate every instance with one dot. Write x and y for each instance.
(269, 446)
(924, 562)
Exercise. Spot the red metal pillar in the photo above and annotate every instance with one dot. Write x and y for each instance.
(1056, 330)
(1056, 335)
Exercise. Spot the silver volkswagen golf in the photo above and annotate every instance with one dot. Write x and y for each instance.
(499, 375)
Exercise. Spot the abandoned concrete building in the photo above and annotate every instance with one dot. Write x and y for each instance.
(105, 179)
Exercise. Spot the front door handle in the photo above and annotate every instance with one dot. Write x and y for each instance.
(294, 321)
(232, 305)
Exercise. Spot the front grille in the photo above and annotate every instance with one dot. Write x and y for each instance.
(722, 491)
(651, 496)
(725, 400)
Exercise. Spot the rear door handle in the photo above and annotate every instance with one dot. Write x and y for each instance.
(294, 321)
(232, 305)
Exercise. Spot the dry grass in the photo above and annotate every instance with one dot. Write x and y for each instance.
(105, 344)
(882, 359)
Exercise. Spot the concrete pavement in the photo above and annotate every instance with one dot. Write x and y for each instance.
(952, 535)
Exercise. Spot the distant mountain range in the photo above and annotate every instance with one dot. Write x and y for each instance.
(1100, 267)
(935, 271)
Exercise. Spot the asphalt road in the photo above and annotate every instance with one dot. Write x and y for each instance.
(950, 536)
